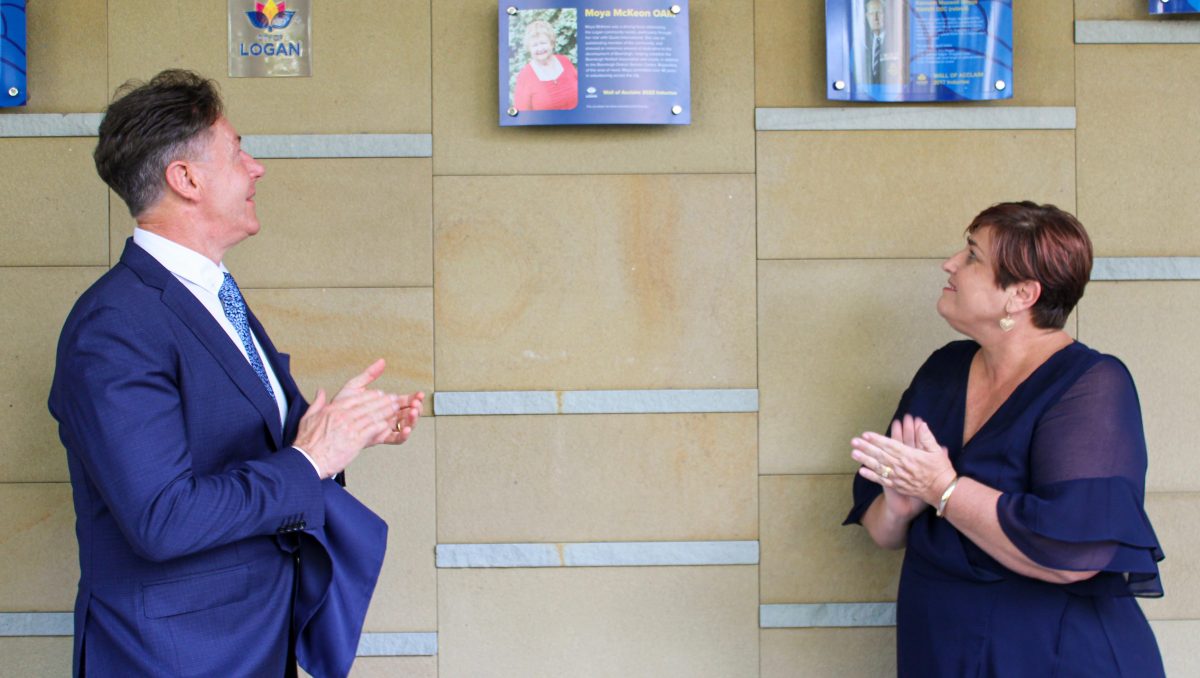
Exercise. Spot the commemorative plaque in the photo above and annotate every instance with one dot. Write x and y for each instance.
(918, 50)
(597, 62)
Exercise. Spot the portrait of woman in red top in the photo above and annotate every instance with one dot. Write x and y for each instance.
(549, 81)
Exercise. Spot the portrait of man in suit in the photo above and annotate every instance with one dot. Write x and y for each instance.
(876, 39)
(215, 538)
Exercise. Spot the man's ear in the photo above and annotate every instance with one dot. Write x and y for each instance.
(1025, 295)
(182, 179)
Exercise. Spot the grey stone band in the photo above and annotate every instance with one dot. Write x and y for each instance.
(598, 554)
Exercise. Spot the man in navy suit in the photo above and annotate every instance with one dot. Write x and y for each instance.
(213, 538)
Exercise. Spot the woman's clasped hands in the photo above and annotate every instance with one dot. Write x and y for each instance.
(911, 466)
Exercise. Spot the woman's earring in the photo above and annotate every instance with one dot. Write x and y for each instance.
(1007, 323)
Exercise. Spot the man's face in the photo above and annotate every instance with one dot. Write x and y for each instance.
(875, 15)
(228, 176)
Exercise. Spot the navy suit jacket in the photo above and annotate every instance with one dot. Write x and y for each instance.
(189, 502)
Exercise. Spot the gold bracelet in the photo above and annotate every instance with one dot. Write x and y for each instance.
(946, 496)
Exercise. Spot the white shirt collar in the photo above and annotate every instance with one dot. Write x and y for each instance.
(183, 262)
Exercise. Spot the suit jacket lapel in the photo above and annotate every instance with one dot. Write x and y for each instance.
(281, 364)
(197, 318)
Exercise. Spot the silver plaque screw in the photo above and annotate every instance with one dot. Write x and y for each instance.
(676, 109)
(512, 112)
(1001, 85)
(512, 11)
(13, 91)
(839, 85)
(676, 9)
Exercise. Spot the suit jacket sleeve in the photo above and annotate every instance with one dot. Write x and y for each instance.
(118, 397)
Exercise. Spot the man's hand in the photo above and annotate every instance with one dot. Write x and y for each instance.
(410, 405)
(333, 432)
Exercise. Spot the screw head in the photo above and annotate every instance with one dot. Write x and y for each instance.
(1001, 85)
(839, 85)
(13, 91)
(512, 111)
(511, 11)
(676, 109)
(676, 9)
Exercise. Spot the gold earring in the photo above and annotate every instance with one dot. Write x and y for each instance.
(1007, 323)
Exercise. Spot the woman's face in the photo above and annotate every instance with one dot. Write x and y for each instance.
(540, 47)
(971, 300)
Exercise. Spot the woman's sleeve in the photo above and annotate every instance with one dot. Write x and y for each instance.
(1084, 509)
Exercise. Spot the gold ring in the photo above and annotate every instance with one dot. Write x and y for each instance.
(885, 472)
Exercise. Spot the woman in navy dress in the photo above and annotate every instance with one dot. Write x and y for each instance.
(1014, 473)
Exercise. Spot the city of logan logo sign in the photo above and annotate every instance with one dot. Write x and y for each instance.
(270, 39)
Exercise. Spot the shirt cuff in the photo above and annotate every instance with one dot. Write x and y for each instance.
(316, 468)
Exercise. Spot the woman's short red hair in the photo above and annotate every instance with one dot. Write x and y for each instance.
(1042, 243)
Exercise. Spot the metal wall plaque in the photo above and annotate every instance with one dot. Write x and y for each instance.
(594, 63)
(270, 39)
(1174, 6)
(12, 53)
(918, 50)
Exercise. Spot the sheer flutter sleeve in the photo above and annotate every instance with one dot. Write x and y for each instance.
(1084, 507)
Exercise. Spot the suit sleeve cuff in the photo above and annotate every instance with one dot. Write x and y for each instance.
(320, 476)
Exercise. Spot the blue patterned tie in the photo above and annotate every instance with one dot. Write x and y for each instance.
(235, 310)
(876, 54)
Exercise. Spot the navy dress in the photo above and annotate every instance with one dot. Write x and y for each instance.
(1068, 454)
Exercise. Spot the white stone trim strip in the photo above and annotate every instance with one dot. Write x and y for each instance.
(826, 119)
(660, 401)
(821, 615)
(49, 124)
(62, 624)
(452, 403)
(36, 624)
(398, 645)
(598, 554)
(1146, 268)
(1141, 32)
(267, 146)
(498, 555)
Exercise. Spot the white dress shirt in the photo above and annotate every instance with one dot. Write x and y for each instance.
(203, 279)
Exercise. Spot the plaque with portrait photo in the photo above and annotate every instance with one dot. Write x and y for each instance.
(918, 50)
(594, 63)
